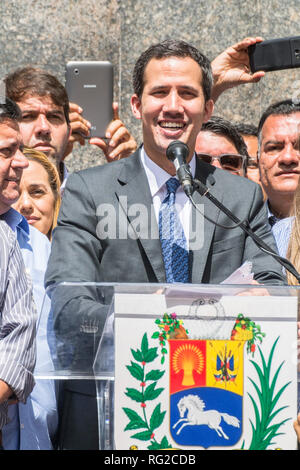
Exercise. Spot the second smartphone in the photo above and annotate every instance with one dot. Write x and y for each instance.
(275, 54)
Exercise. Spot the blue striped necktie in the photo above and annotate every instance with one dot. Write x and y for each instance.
(173, 241)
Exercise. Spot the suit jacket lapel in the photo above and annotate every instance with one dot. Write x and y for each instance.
(134, 195)
(133, 189)
(199, 254)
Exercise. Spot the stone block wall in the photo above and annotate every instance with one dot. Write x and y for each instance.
(49, 33)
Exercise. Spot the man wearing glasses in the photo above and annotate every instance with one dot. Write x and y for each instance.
(219, 144)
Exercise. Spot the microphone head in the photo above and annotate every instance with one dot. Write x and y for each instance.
(177, 148)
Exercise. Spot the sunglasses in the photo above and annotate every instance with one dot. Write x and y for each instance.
(228, 161)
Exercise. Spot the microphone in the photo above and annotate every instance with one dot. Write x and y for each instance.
(177, 153)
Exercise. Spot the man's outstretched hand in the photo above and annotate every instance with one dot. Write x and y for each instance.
(120, 143)
(232, 68)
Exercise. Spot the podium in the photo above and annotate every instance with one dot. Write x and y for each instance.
(179, 366)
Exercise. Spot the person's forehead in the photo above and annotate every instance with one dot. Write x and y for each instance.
(9, 133)
(36, 173)
(38, 102)
(281, 127)
(172, 68)
(209, 142)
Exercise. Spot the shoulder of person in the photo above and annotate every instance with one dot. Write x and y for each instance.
(93, 173)
(240, 181)
(233, 188)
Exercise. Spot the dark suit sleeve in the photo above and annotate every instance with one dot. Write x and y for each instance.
(266, 269)
(79, 312)
(76, 250)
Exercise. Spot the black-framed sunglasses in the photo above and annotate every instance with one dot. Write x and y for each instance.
(228, 161)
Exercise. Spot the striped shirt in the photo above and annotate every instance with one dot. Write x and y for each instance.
(282, 231)
(17, 321)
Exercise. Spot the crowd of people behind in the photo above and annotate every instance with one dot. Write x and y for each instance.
(38, 129)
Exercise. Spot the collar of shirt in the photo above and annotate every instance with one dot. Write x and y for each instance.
(35, 248)
(14, 219)
(271, 217)
(157, 178)
(282, 232)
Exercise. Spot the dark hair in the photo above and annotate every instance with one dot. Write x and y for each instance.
(220, 126)
(10, 111)
(172, 48)
(280, 108)
(246, 129)
(33, 81)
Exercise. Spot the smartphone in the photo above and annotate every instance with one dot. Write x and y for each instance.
(275, 54)
(90, 85)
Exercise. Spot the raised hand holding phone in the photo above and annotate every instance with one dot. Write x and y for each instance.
(120, 143)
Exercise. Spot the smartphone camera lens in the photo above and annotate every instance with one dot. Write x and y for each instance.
(76, 71)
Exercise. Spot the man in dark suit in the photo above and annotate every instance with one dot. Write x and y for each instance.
(109, 224)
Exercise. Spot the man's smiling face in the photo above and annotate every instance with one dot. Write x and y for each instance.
(172, 105)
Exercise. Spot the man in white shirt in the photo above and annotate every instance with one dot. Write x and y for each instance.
(279, 156)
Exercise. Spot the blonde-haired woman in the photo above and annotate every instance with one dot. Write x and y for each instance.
(39, 200)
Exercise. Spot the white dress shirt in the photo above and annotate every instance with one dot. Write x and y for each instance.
(157, 178)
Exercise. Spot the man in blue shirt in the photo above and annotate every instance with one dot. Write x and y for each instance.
(17, 326)
(31, 426)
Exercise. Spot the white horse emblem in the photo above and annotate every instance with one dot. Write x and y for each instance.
(196, 416)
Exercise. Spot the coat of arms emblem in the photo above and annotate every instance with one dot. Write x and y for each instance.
(206, 392)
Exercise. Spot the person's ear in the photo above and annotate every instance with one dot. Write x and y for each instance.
(136, 106)
(209, 108)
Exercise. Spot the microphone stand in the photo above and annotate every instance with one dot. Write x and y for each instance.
(204, 191)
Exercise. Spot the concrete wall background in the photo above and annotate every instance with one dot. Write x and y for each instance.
(49, 33)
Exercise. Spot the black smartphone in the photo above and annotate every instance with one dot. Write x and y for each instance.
(90, 85)
(275, 54)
